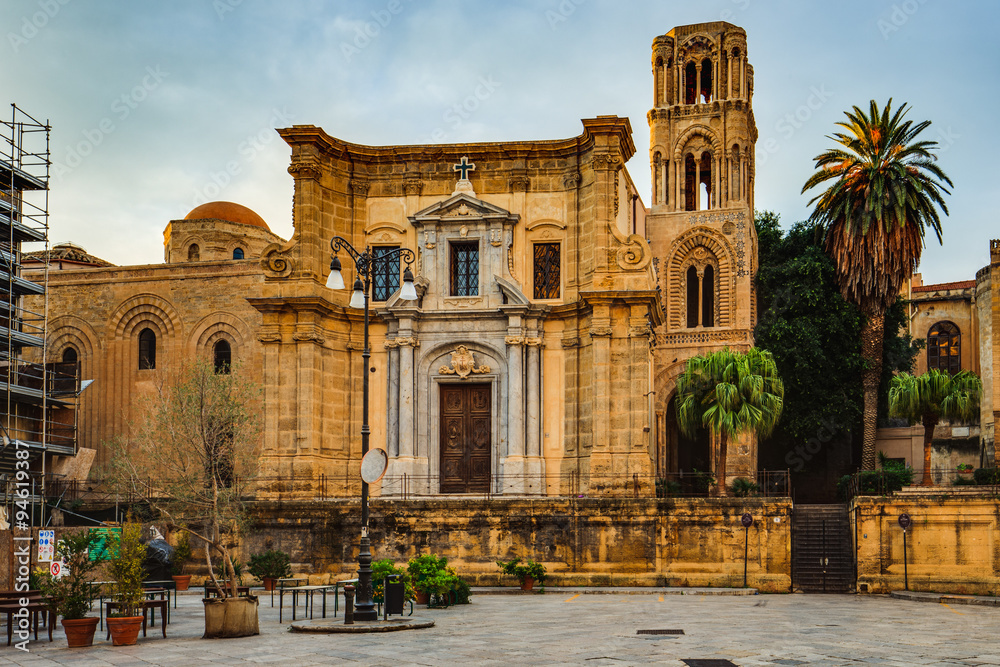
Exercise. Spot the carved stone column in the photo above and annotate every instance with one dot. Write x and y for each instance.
(533, 445)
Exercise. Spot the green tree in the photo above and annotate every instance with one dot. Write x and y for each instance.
(195, 453)
(730, 393)
(932, 397)
(884, 189)
(814, 335)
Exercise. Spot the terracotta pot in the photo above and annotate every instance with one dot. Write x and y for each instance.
(124, 629)
(182, 581)
(231, 617)
(423, 597)
(268, 583)
(527, 583)
(80, 631)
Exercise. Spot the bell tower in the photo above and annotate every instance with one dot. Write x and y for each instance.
(700, 223)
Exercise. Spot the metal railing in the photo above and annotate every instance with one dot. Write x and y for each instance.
(885, 482)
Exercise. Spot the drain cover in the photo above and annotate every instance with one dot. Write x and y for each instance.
(659, 632)
(709, 663)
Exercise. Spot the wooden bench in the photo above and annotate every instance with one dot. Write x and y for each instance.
(35, 609)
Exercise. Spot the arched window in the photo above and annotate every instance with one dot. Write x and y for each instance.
(734, 181)
(692, 297)
(699, 288)
(70, 356)
(238, 253)
(147, 349)
(706, 81)
(708, 297)
(705, 182)
(222, 355)
(944, 347)
(690, 84)
(194, 253)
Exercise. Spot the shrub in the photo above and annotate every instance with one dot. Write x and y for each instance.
(987, 476)
(743, 487)
(126, 569)
(71, 594)
(522, 571)
(222, 575)
(272, 564)
(666, 488)
(182, 554)
(963, 481)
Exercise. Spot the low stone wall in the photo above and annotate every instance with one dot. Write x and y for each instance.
(581, 541)
(952, 544)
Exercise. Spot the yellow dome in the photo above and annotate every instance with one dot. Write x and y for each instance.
(225, 210)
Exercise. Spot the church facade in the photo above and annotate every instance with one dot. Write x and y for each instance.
(554, 313)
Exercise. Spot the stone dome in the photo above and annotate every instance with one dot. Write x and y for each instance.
(228, 211)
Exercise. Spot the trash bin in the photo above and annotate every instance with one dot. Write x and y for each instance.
(395, 595)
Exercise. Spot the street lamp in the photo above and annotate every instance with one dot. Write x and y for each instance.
(366, 262)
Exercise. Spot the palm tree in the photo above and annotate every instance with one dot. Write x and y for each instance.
(932, 397)
(885, 191)
(729, 393)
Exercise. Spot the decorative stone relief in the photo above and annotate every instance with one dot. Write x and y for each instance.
(413, 186)
(495, 238)
(360, 187)
(305, 169)
(514, 340)
(430, 239)
(463, 363)
(276, 264)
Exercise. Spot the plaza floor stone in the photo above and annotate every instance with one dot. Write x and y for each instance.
(574, 627)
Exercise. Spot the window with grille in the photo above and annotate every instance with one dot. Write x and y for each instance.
(465, 269)
(547, 262)
(944, 347)
(147, 349)
(385, 273)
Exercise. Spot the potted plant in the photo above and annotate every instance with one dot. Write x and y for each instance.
(429, 576)
(127, 572)
(200, 443)
(527, 573)
(182, 554)
(71, 594)
(270, 566)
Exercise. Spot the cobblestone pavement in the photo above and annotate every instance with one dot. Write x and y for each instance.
(566, 628)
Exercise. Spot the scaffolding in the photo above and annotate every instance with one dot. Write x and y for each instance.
(37, 397)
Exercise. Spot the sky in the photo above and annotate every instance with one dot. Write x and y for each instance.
(157, 107)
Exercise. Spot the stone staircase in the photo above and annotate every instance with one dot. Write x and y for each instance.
(822, 558)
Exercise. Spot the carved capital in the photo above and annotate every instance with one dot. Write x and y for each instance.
(360, 187)
(309, 336)
(570, 181)
(514, 340)
(600, 331)
(570, 342)
(606, 162)
(413, 186)
(269, 337)
(519, 183)
(533, 342)
(305, 169)
(406, 342)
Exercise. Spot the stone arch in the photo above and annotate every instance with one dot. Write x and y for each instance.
(71, 330)
(681, 255)
(696, 130)
(218, 326)
(140, 309)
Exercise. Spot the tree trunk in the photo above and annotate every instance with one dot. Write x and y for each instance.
(872, 334)
(930, 422)
(721, 473)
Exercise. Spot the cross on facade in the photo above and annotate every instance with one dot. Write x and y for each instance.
(465, 167)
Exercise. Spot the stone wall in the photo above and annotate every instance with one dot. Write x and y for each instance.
(953, 543)
(606, 541)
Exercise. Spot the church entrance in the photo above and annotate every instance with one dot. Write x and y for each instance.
(465, 438)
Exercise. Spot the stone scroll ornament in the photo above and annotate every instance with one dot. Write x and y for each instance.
(462, 364)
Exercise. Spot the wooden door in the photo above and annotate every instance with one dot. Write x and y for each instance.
(465, 438)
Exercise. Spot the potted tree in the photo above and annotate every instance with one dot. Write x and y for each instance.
(270, 566)
(127, 572)
(200, 443)
(527, 573)
(430, 576)
(72, 594)
(182, 554)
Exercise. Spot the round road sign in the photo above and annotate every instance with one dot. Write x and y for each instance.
(904, 521)
(747, 520)
(373, 465)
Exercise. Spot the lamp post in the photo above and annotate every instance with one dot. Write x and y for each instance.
(366, 262)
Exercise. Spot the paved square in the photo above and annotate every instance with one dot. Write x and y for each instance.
(560, 628)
